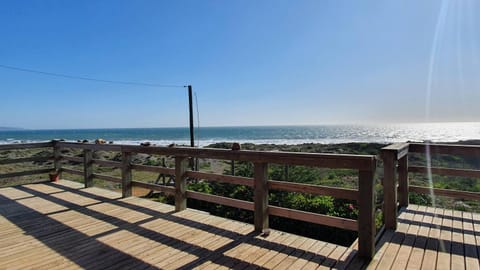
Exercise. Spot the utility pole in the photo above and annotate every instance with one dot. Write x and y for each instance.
(190, 106)
(192, 140)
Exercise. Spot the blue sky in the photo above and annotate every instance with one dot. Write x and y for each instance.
(250, 62)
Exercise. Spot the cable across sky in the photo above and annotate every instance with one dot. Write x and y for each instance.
(90, 79)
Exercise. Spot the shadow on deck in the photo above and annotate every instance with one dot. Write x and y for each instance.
(62, 225)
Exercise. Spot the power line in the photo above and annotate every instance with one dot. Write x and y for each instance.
(89, 79)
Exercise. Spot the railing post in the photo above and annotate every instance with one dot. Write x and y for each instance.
(57, 159)
(366, 214)
(403, 181)
(181, 165)
(260, 196)
(126, 174)
(389, 189)
(88, 167)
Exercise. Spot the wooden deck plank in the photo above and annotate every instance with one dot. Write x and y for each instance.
(457, 253)
(445, 241)
(297, 253)
(431, 249)
(322, 256)
(333, 258)
(150, 254)
(265, 245)
(276, 247)
(435, 238)
(277, 259)
(313, 251)
(344, 262)
(471, 255)
(417, 254)
(402, 258)
(192, 253)
(147, 239)
(476, 229)
(64, 237)
(188, 241)
(390, 243)
(149, 243)
(89, 228)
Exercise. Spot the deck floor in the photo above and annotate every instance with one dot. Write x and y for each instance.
(430, 238)
(64, 226)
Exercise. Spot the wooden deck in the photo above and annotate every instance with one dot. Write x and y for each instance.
(430, 238)
(64, 226)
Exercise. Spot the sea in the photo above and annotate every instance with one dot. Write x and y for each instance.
(324, 134)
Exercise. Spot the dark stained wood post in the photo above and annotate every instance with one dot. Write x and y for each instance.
(389, 189)
(260, 196)
(366, 214)
(57, 159)
(88, 167)
(403, 181)
(190, 118)
(393, 155)
(126, 174)
(190, 113)
(181, 165)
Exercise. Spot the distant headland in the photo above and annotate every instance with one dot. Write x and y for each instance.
(10, 128)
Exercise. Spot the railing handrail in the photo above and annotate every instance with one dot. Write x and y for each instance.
(447, 149)
(20, 146)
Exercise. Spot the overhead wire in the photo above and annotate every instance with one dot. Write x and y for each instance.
(89, 78)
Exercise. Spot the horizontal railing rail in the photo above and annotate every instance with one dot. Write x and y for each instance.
(21, 146)
(446, 149)
(28, 159)
(445, 171)
(25, 173)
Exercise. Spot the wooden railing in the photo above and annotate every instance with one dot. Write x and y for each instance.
(8, 147)
(261, 184)
(395, 159)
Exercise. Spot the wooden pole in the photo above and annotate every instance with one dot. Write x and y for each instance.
(366, 214)
(181, 164)
(192, 137)
(126, 174)
(390, 189)
(190, 110)
(260, 196)
(403, 181)
(88, 167)
(57, 159)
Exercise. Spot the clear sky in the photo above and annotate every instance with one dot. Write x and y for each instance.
(250, 62)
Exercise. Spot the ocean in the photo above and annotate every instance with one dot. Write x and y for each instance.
(326, 134)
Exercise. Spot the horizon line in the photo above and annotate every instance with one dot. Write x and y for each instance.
(243, 126)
